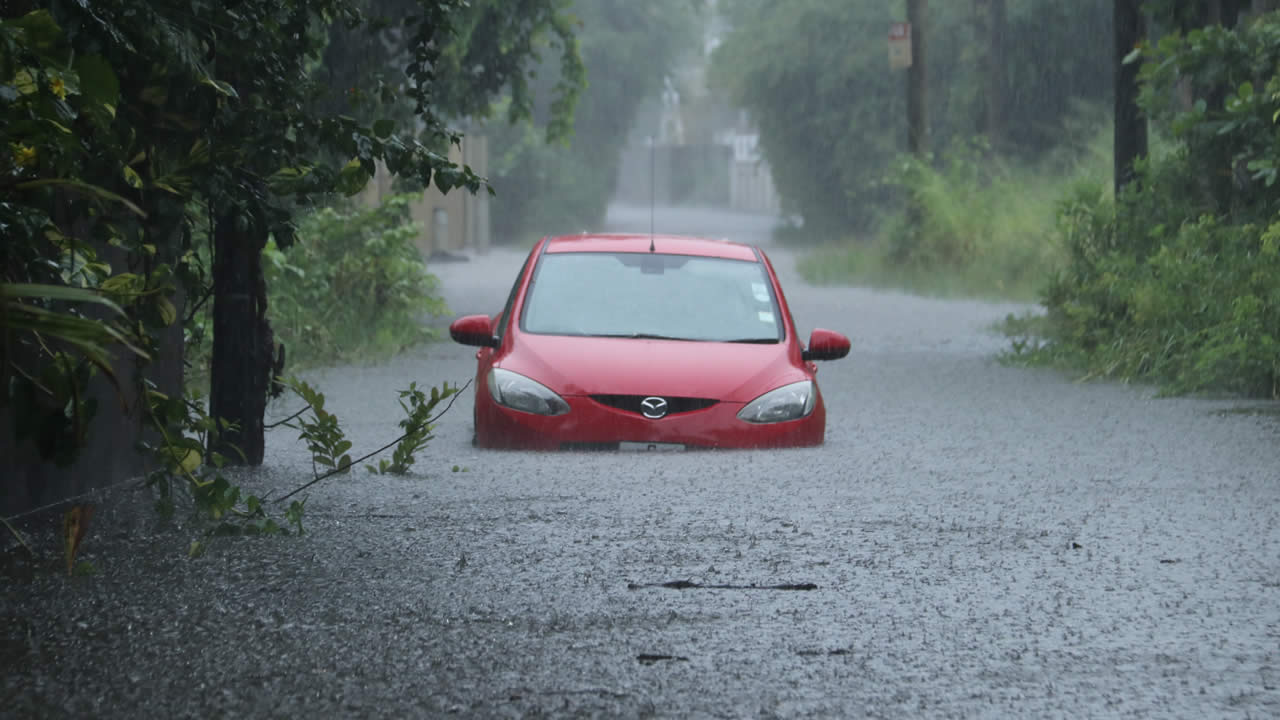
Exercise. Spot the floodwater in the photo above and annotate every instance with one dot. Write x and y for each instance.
(973, 540)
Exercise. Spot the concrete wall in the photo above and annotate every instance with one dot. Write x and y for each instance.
(27, 482)
(751, 188)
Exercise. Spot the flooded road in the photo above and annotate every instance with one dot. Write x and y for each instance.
(971, 541)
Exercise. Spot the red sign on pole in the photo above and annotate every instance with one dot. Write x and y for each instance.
(899, 45)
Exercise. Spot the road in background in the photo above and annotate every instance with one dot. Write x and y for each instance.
(980, 540)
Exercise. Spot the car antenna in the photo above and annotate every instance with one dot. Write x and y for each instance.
(652, 190)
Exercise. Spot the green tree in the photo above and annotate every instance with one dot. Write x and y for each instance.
(1130, 123)
(1177, 278)
(126, 122)
(832, 117)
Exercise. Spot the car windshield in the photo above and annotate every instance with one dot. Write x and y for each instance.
(652, 295)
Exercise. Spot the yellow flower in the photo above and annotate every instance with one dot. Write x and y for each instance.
(24, 155)
(57, 87)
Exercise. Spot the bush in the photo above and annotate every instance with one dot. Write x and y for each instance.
(831, 116)
(353, 287)
(983, 227)
(1193, 306)
(1178, 281)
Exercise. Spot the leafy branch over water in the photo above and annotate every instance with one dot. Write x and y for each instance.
(327, 441)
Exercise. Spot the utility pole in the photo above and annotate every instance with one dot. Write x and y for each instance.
(917, 125)
(992, 21)
(917, 80)
(1130, 124)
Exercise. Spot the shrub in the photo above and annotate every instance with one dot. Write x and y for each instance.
(981, 226)
(353, 286)
(1178, 280)
(1194, 306)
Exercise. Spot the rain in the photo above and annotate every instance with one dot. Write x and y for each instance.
(359, 361)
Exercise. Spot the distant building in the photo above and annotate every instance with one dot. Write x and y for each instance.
(446, 222)
(692, 148)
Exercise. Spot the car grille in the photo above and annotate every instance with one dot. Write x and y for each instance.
(675, 405)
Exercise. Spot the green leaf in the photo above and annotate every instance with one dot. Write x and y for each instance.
(57, 292)
(25, 82)
(122, 284)
(190, 460)
(132, 178)
(41, 31)
(223, 88)
(353, 178)
(168, 313)
(383, 128)
(83, 188)
(98, 82)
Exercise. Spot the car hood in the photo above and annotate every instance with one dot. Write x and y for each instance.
(728, 372)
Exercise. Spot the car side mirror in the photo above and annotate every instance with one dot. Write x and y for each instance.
(473, 330)
(826, 345)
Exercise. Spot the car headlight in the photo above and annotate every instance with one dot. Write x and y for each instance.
(518, 392)
(789, 402)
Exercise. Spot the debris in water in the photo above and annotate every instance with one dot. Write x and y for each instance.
(691, 585)
(648, 659)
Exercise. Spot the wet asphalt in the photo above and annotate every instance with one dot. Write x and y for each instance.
(973, 540)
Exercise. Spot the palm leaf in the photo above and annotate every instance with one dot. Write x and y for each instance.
(83, 188)
(57, 292)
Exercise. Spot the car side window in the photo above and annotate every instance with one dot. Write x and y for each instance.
(505, 319)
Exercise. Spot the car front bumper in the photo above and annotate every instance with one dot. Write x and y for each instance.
(591, 424)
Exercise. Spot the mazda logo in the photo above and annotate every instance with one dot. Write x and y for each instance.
(653, 407)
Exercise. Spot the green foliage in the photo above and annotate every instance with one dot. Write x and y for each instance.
(1178, 280)
(124, 124)
(983, 227)
(353, 288)
(832, 116)
(325, 439)
(58, 327)
(1200, 312)
(417, 427)
(1227, 125)
(184, 466)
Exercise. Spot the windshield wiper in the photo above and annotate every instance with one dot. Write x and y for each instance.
(652, 336)
(642, 336)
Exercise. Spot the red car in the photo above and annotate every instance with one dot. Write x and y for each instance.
(646, 342)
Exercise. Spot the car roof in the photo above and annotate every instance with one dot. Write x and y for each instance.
(640, 243)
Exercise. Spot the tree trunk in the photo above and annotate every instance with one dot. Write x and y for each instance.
(1225, 12)
(1130, 124)
(917, 80)
(917, 125)
(993, 17)
(240, 373)
(1220, 12)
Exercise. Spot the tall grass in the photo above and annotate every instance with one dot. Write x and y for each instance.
(983, 227)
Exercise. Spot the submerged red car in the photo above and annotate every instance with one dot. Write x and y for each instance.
(646, 342)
